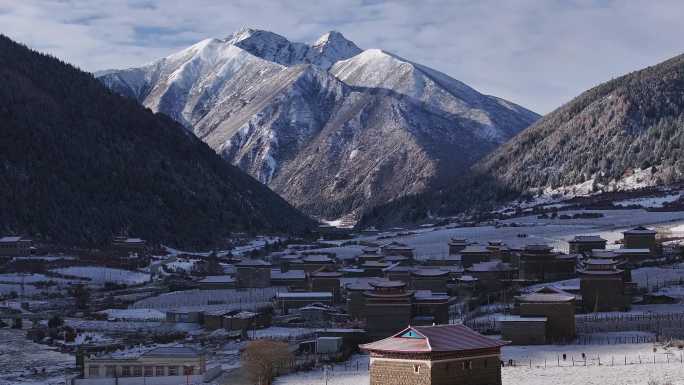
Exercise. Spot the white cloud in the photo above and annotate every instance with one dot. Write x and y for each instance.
(537, 53)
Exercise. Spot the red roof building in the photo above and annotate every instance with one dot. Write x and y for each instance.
(435, 355)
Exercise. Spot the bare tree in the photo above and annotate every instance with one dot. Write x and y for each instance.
(261, 359)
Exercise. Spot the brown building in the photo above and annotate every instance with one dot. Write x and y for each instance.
(540, 263)
(456, 245)
(557, 308)
(299, 299)
(435, 355)
(326, 281)
(447, 260)
(603, 288)
(15, 246)
(398, 273)
(430, 279)
(499, 250)
(290, 278)
(640, 238)
(475, 254)
(252, 273)
(524, 330)
(313, 262)
(584, 244)
(216, 282)
(387, 308)
(396, 248)
(130, 245)
(493, 274)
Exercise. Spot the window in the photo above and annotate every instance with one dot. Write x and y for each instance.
(149, 371)
(416, 369)
(159, 371)
(93, 371)
(125, 371)
(173, 370)
(137, 371)
(188, 370)
(411, 334)
(110, 371)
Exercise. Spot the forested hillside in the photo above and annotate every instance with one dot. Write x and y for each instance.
(601, 137)
(635, 121)
(80, 163)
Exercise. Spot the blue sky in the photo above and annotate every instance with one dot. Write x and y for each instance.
(538, 53)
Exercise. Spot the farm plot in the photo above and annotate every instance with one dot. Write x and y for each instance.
(102, 275)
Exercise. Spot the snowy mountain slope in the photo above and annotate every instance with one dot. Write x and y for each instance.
(328, 49)
(375, 68)
(331, 128)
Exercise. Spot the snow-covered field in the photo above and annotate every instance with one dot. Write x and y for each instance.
(190, 299)
(101, 275)
(539, 365)
(434, 241)
(134, 314)
(19, 356)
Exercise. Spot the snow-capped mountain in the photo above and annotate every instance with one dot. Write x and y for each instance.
(333, 129)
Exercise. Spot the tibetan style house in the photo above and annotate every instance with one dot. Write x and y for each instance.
(435, 355)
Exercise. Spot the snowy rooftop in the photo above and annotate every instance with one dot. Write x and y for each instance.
(517, 318)
(305, 294)
(218, 279)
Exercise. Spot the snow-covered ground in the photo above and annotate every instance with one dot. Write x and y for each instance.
(434, 241)
(204, 299)
(19, 356)
(543, 365)
(101, 275)
(134, 314)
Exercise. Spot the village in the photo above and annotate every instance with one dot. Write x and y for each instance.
(457, 303)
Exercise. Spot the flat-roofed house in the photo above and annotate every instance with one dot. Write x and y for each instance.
(216, 282)
(475, 254)
(435, 355)
(603, 287)
(171, 365)
(430, 279)
(539, 262)
(492, 274)
(523, 330)
(323, 280)
(456, 245)
(387, 308)
(14, 246)
(640, 238)
(557, 307)
(299, 299)
(583, 244)
(313, 262)
(129, 244)
(252, 273)
(396, 248)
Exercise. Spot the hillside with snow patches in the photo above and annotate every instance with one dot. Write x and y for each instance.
(330, 127)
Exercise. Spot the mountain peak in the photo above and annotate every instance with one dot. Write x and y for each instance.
(332, 37)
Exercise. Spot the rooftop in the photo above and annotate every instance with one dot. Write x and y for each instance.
(545, 298)
(217, 279)
(305, 294)
(290, 274)
(640, 230)
(430, 272)
(587, 238)
(495, 265)
(439, 338)
(517, 318)
(253, 263)
(9, 239)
